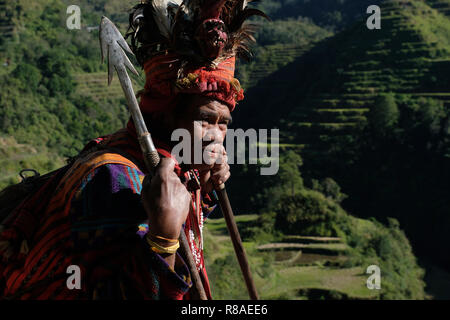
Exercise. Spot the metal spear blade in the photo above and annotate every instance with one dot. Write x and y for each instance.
(113, 45)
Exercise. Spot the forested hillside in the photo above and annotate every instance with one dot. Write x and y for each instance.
(330, 14)
(53, 87)
(370, 109)
(361, 112)
(296, 26)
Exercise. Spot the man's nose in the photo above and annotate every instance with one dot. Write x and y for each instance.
(214, 134)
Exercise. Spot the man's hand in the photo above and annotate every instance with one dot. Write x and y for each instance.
(166, 201)
(219, 171)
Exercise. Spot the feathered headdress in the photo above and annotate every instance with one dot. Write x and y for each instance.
(193, 44)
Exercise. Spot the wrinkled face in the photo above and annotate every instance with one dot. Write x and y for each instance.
(211, 37)
(207, 121)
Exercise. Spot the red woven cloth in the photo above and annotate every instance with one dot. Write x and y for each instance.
(163, 86)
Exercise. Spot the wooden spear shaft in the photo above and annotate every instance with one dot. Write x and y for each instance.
(236, 239)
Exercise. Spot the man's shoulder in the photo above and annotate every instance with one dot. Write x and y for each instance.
(118, 148)
(116, 168)
(113, 162)
(99, 158)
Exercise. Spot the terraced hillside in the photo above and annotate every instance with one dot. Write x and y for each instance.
(279, 43)
(302, 267)
(330, 89)
(270, 59)
(313, 273)
(332, 14)
(15, 157)
(96, 86)
(6, 24)
(441, 5)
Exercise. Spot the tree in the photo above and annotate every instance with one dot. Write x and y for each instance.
(384, 115)
(289, 175)
(330, 189)
(28, 75)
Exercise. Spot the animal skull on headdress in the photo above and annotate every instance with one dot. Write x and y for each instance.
(200, 31)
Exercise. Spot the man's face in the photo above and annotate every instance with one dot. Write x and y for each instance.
(207, 121)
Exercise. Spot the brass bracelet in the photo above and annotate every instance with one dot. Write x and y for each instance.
(162, 238)
(160, 249)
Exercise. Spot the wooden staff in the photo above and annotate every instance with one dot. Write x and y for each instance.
(236, 239)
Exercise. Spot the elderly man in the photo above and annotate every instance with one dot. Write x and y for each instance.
(108, 232)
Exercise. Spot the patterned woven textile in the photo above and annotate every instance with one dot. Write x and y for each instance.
(94, 220)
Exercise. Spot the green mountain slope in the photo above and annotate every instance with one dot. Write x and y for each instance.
(14, 155)
(333, 86)
(54, 93)
(279, 43)
(296, 26)
(330, 14)
(294, 262)
(6, 24)
(323, 101)
(441, 5)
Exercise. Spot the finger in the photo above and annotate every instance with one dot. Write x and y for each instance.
(221, 176)
(222, 155)
(220, 167)
(205, 181)
(222, 170)
(219, 180)
(223, 159)
(166, 165)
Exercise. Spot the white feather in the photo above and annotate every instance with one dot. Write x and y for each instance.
(190, 8)
(172, 8)
(162, 17)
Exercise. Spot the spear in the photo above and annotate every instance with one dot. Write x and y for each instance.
(113, 45)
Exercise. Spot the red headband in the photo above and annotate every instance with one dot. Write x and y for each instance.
(163, 86)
